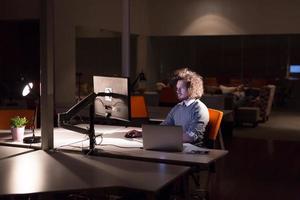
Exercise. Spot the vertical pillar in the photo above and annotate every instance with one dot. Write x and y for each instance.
(142, 54)
(126, 38)
(47, 72)
(142, 61)
(288, 57)
(242, 60)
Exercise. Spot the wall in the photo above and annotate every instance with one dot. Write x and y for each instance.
(19, 56)
(160, 18)
(219, 17)
(213, 18)
(69, 14)
(239, 57)
(173, 17)
(19, 9)
(19, 46)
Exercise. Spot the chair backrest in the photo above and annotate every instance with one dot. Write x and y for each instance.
(211, 81)
(213, 127)
(271, 98)
(235, 82)
(138, 107)
(7, 114)
(167, 97)
(266, 97)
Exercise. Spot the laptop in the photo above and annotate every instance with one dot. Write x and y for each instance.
(162, 138)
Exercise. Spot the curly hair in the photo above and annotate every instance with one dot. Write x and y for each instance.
(193, 80)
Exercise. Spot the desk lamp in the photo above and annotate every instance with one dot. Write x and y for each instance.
(28, 89)
(142, 80)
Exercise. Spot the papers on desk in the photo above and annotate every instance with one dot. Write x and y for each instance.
(104, 129)
(192, 149)
(123, 143)
(118, 139)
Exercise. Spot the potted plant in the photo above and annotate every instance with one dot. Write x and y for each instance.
(18, 127)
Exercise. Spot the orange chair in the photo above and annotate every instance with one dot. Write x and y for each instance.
(213, 131)
(7, 114)
(139, 112)
(138, 107)
(213, 128)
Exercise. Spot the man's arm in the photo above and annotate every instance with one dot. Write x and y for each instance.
(196, 128)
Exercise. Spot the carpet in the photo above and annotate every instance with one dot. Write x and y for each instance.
(282, 125)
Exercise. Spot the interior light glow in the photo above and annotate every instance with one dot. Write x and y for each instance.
(295, 69)
(27, 89)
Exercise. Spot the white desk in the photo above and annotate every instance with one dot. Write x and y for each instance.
(6, 138)
(114, 144)
(41, 172)
(7, 151)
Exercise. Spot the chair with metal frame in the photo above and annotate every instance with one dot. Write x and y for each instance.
(212, 134)
(213, 128)
(138, 109)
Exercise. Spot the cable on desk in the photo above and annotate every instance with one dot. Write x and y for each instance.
(95, 141)
(65, 145)
(101, 136)
(89, 152)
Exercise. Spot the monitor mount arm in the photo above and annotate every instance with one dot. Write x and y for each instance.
(65, 118)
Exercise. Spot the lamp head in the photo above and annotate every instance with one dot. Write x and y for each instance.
(142, 76)
(27, 89)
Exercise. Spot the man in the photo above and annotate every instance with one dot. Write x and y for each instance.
(190, 113)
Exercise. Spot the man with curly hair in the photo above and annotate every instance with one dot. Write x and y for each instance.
(190, 113)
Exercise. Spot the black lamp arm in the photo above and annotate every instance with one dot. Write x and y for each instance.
(140, 77)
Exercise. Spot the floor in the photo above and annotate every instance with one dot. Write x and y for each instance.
(260, 167)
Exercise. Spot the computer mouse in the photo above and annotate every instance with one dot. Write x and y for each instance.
(133, 134)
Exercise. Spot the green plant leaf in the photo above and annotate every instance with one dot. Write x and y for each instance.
(17, 121)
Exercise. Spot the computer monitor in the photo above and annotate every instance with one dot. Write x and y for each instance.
(116, 104)
(294, 69)
(294, 72)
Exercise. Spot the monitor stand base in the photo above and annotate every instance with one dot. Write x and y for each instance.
(92, 152)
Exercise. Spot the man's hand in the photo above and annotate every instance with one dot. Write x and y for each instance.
(133, 134)
(186, 138)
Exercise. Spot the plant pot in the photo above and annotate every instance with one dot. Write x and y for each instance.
(18, 134)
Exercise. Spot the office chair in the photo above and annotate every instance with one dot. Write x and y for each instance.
(213, 132)
(139, 111)
(167, 97)
(213, 128)
(7, 114)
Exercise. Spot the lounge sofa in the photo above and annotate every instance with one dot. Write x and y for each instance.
(258, 109)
